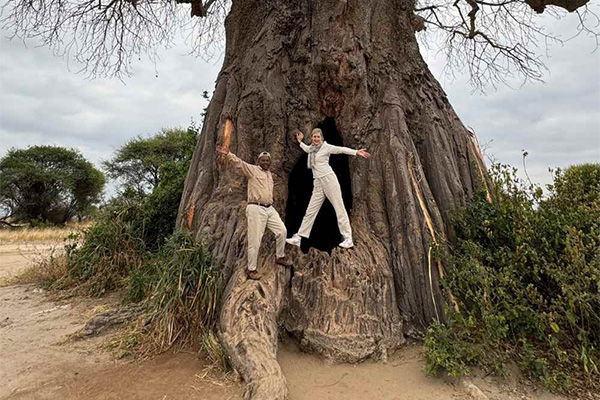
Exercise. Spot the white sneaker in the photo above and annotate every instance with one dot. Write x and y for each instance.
(294, 240)
(347, 243)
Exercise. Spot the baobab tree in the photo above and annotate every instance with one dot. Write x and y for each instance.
(354, 69)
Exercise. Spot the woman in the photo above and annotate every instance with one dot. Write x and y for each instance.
(326, 185)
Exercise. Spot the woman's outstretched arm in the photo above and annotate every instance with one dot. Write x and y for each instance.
(346, 150)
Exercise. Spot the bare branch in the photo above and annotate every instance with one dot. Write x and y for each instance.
(105, 36)
(539, 6)
(495, 40)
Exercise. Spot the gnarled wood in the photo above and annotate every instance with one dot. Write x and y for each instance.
(249, 330)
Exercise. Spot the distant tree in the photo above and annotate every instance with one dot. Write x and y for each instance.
(48, 184)
(137, 164)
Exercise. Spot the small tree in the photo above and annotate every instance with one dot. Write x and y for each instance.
(137, 164)
(48, 183)
(152, 171)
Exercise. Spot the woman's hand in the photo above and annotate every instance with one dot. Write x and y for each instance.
(222, 150)
(299, 136)
(363, 153)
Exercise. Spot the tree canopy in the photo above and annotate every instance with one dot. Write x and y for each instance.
(48, 184)
(491, 39)
(139, 163)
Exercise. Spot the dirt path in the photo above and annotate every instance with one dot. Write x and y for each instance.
(39, 363)
(14, 258)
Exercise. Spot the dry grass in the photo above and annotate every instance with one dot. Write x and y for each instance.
(40, 235)
(44, 272)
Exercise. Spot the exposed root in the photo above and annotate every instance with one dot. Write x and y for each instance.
(249, 332)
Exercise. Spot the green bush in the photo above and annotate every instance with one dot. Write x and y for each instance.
(526, 273)
(117, 251)
(104, 257)
(132, 247)
(158, 211)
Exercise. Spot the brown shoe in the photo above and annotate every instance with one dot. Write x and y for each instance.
(254, 275)
(283, 261)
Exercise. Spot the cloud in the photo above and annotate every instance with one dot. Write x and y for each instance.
(43, 102)
(556, 121)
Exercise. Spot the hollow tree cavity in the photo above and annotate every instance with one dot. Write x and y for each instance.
(325, 234)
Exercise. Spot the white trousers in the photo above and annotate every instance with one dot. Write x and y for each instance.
(326, 187)
(259, 218)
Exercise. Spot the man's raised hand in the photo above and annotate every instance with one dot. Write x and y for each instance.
(222, 150)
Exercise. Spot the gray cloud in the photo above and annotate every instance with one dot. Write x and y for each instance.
(43, 102)
(556, 121)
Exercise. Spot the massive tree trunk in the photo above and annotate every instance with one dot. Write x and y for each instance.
(354, 68)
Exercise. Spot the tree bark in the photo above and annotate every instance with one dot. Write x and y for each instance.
(291, 65)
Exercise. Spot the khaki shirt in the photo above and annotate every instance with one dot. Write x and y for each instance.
(260, 182)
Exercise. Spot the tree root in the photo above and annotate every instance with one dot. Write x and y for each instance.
(249, 332)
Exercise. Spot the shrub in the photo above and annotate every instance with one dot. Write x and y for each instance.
(526, 273)
(104, 257)
(186, 292)
(116, 252)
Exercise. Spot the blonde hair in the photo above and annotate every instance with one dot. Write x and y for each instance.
(315, 131)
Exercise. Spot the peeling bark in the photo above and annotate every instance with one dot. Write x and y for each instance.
(291, 65)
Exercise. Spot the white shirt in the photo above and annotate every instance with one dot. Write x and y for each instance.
(321, 166)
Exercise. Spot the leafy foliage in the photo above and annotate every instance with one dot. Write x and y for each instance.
(526, 272)
(107, 253)
(48, 184)
(132, 247)
(140, 163)
(117, 250)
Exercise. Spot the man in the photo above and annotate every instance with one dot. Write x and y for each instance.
(260, 211)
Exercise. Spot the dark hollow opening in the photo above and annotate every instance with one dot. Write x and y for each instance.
(325, 234)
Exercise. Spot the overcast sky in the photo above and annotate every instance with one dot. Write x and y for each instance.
(42, 101)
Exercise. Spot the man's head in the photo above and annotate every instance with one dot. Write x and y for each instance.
(264, 160)
(316, 136)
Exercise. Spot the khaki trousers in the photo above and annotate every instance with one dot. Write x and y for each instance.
(259, 218)
(326, 187)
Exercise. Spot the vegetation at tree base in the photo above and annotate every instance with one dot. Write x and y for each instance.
(183, 286)
(526, 273)
(140, 163)
(44, 184)
(131, 229)
(131, 247)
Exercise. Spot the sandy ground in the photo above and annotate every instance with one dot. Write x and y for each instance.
(39, 362)
(16, 257)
